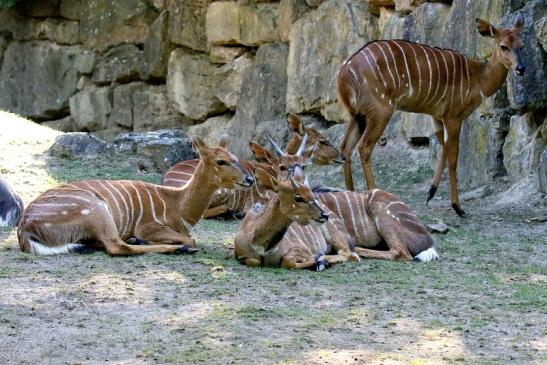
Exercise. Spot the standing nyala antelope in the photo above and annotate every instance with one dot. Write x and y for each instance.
(375, 219)
(102, 214)
(281, 231)
(390, 75)
(239, 201)
(11, 205)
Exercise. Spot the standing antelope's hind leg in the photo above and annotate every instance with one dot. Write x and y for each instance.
(439, 133)
(353, 133)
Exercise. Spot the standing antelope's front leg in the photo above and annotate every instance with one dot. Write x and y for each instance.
(453, 129)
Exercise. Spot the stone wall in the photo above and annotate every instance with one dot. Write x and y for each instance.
(240, 66)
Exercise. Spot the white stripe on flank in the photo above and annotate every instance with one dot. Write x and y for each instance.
(428, 255)
(406, 65)
(361, 210)
(131, 217)
(180, 173)
(102, 183)
(447, 78)
(134, 185)
(67, 197)
(162, 203)
(418, 69)
(152, 205)
(425, 100)
(395, 202)
(377, 44)
(453, 84)
(395, 67)
(461, 77)
(40, 249)
(351, 212)
(468, 77)
(54, 205)
(438, 74)
(124, 229)
(370, 65)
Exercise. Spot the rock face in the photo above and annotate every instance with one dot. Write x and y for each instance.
(320, 41)
(262, 95)
(239, 66)
(71, 145)
(28, 90)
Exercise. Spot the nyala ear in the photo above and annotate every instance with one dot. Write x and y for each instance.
(224, 141)
(519, 22)
(261, 154)
(486, 29)
(295, 124)
(198, 144)
(265, 180)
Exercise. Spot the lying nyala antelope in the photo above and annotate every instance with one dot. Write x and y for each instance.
(102, 214)
(239, 201)
(373, 219)
(279, 233)
(11, 205)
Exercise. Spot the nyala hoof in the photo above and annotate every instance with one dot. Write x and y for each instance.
(320, 262)
(459, 211)
(137, 241)
(430, 194)
(185, 250)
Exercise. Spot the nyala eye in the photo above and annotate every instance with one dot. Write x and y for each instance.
(299, 199)
(505, 48)
(221, 162)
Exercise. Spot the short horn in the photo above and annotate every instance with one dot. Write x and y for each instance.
(278, 151)
(302, 145)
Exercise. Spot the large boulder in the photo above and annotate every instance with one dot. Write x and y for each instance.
(187, 23)
(191, 84)
(61, 31)
(211, 129)
(229, 79)
(70, 9)
(542, 172)
(123, 105)
(105, 23)
(157, 49)
(319, 43)
(91, 108)
(120, 63)
(77, 144)
(163, 148)
(289, 12)
(262, 95)
(37, 78)
(230, 23)
(427, 23)
(225, 54)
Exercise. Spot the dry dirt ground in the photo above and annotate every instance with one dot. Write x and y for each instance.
(485, 302)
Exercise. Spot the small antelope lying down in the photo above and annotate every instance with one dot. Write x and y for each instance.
(279, 232)
(102, 214)
(373, 219)
(239, 201)
(11, 205)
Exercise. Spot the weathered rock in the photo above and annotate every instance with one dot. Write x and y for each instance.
(211, 129)
(540, 26)
(276, 128)
(314, 3)
(229, 79)
(61, 31)
(229, 23)
(406, 6)
(427, 24)
(3, 45)
(123, 105)
(84, 62)
(40, 9)
(191, 85)
(289, 12)
(37, 78)
(77, 144)
(160, 4)
(222, 54)
(390, 24)
(523, 147)
(91, 107)
(262, 95)
(542, 172)
(157, 49)
(70, 9)
(65, 124)
(121, 63)
(439, 227)
(105, 23)
(187, 24)
(153, 110)
(164, 147)
(524, 93)
(319, 42)
(390, 3)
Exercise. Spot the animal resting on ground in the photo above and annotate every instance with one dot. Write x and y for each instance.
(374, 219)
(11, 205)
(102, 214)
(238, 201)
(389, 75)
